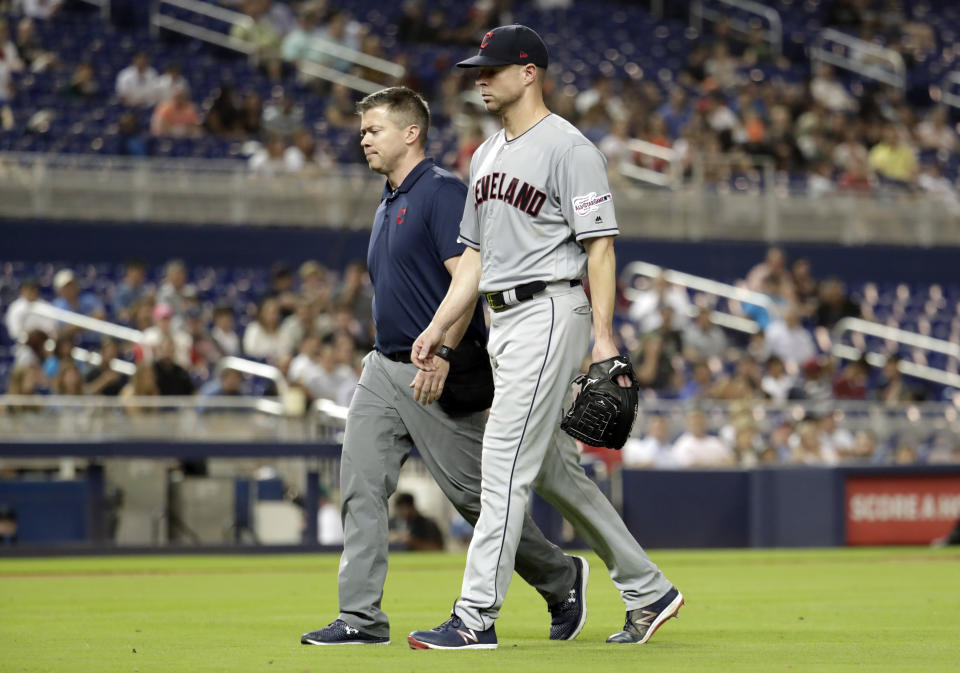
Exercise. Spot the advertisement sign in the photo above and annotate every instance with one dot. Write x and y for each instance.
(900, 510)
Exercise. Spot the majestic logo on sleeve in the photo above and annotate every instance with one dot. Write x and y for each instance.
(502, 187)
(590, 202)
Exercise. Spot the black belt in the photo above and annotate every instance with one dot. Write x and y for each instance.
(524, 292)
(399, 356)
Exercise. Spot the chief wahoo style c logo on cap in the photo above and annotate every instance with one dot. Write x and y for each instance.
(486, 39)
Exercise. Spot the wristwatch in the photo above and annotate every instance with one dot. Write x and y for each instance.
(444, 352)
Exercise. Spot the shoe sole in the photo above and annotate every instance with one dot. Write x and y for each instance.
(584, 576)
(420, 645)
(670, 611)
(307, 641)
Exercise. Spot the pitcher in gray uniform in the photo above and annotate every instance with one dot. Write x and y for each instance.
(412, 253)
(539, 216)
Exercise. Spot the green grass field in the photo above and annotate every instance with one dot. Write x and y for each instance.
(836, 610)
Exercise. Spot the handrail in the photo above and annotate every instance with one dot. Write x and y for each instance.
(136, 336)
(773, 35)
(159, 20)
(904, 337)
(896, 76)
(703, 285)
(670, 178)
(947, 96)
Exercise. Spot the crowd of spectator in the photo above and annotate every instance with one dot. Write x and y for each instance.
(310, 324)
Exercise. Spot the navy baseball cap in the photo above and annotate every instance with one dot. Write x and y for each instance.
(509, 45)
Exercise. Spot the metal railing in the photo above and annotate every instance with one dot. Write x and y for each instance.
(671, 177)
(903, 337)
(864, 58)
(700, 284)
(699, 10)
(136, 336)
(159, 20)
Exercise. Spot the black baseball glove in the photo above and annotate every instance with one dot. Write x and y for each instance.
(604, 412)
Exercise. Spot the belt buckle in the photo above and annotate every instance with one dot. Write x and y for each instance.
(495, 301)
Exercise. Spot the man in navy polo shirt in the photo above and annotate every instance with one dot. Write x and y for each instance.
(412, 255)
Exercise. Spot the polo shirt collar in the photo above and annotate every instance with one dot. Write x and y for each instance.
(408, 181)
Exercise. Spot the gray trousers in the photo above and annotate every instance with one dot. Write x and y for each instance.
(537, 347)
(383, 424)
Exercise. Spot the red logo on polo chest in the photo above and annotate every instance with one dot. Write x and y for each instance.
(401, 216)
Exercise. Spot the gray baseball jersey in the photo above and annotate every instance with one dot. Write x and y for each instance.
(530, 200)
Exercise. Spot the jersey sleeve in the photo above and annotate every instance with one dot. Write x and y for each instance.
(469, 222)
(585, 196)
(445, 214)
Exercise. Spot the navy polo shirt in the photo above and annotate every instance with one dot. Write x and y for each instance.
(415, 230)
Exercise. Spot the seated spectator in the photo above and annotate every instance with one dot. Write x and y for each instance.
(9, 53)
(654, 361)
(35, 58)
(223, 332)
(251, 115)
(412, 529)
(932, 181)
(893, 389)
(19, 320)
(699, 384)
(176, 117)
(807, 449)
(170, 82)
(61, 356)
(129, 290)
(645, 308)
(653, 450)
(281, 116)
(102, 379)
(70, 298)
(703, 339)
(346, 32)
(171, 378)
(262, 34)
(143, 383)
(304, 44)
(131, 142)
(774, 263)
(329, 378)
(137, 83)
(262, 337)
(857, 177)
(162, 330)
(747, 446)
(777, 383)
(695, 448)
(341, 111)
(223, 117)
(28, 380)
(305, 158)
(892, 158)
(829, 92)
(32, 352)
(774, 288)
(40, 9)
(228, 384)
(174, 286)
(82, 86)
(270, 161)
(204, 351)
(295, 327)
(833, 437)
(68, 381)
(935, 133)
(806, 289)
(789, 340)
(851, 383)
(834, 304)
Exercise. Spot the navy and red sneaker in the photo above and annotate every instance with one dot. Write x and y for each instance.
(338, 632)
(642, 623)
(453, 635)
(570, 614)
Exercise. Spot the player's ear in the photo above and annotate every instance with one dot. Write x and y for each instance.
(413, 134)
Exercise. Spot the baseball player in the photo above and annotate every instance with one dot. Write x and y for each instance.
(539, 213)
(412, 253)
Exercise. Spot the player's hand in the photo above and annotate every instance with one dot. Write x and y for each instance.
(425, 346)
(428, 386)
(604, 349)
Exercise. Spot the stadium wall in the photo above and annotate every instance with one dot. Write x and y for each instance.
(82, 242)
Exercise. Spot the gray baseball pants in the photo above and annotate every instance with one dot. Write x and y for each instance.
(536, 348)
(383, 424)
